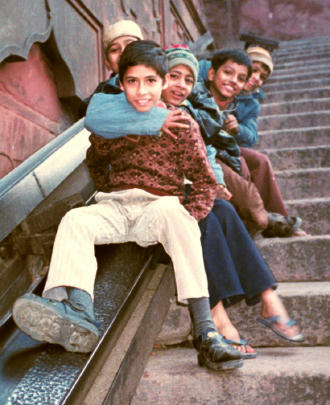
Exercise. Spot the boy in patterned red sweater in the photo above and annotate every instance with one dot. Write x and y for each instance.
(141, 200)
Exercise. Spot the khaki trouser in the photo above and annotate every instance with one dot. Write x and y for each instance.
(132, 215)
(246, 199)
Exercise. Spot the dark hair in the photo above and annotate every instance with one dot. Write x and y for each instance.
(143, 52)
(236, 55)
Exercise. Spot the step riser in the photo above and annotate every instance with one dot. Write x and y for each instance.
(300, 307)
(299, 77)
(305, 184)
(297, 259)
(296, 95)
(315, 328)
(301, 56)
(315, 216)
(292, 107)
(278, 376)
(310, 63)
(316, 69)
(296, 85)
(286, 121)
(287, 138)
(299, 158)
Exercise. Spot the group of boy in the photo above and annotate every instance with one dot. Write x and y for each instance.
(142, 195)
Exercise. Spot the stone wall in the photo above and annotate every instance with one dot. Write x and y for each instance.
(278, 19)
(53, 59)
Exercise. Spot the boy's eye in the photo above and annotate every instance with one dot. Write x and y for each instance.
(242, 79)
(263, 77)
(131, 81)
(189, 81)
(174, 76)
(114, 50)
(151, 80)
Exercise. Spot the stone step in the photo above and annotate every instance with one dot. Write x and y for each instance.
(303, 301)
(295, 85)
(315, 67)
(308, 42)
(297, 120)
(304, 183)
(303, 157)
(301, 56)
(288, 376)
(297, 258)
(306, 48)
(288, 77)
(291, 107)
(315, 213)
(285, 138)
(299, 94)
(308, 63)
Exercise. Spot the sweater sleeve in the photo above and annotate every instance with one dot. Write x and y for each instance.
(98, 161)
(112, 116)
(197, 169)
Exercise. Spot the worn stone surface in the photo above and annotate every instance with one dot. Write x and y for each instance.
(296, 84)
(299, 157)
(297, 105)
(297, 258)
(177, 326)
(297, 120)
(315, 214)
(285, 138)
(299, 94)
(303, 183)
(290, 376)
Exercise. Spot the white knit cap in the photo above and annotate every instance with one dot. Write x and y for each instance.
(119, 29)
(259, 54)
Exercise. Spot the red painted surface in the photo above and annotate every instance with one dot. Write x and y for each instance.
(30, 111)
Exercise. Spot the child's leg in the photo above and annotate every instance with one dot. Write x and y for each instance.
(263, 177)
(166, 221)
(73, 261)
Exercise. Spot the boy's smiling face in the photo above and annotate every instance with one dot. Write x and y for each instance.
(143, 87)
(260, 73)
(115, 50)
(180, 85)
(228, 80)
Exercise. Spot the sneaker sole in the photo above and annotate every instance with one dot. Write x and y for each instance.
(46, 325)
(219, 365)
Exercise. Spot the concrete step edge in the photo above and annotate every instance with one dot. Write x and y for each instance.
(296, 102)
(317, 112)
(296, 148)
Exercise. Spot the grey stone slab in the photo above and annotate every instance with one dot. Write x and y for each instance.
(294, 106)
(299, 94)
(290, 376)
(314, 212)
(286, 138)
(299, 157)
(296, 84)
(288, 77)
(296, 120)
(297, 258)
(310, 63)
(304, 183)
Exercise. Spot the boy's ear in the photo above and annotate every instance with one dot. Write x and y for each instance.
(121, 86)
(165, 83)
(211, 74)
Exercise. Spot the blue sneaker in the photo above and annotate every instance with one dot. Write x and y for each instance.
(57, 322)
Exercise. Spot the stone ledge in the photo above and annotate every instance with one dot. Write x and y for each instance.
(290, 376)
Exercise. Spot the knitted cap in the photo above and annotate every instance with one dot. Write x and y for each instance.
(259, 54)
(182, 55)
(119, 29)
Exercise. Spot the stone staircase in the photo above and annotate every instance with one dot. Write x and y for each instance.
(294, 130)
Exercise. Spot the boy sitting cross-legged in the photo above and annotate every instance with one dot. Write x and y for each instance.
(139, 200)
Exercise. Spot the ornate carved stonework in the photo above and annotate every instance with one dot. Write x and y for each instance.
(34, 21)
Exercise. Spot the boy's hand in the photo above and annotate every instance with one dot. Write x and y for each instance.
(231, 124)
(172, 121)
(223, 192)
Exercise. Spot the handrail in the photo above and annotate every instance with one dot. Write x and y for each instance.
(25, 187)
